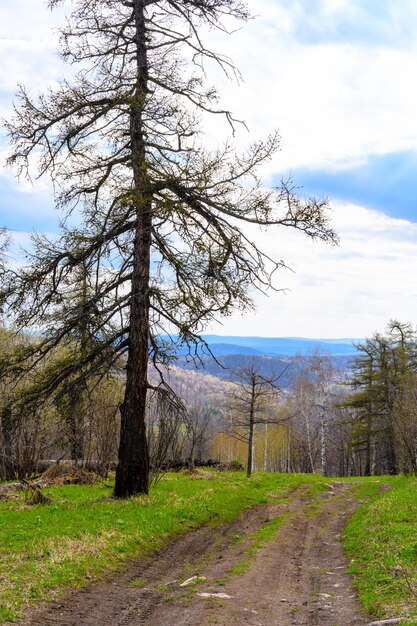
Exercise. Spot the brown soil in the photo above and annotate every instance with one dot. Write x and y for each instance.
(298, 577)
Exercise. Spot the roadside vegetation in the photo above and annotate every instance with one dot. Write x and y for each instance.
(381, 543)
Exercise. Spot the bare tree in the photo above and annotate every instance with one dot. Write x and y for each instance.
(161, 230)
(251, 401)
(198, 430)
(166, 424)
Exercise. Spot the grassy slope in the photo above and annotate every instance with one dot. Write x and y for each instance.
(381, 541)
(85, 533)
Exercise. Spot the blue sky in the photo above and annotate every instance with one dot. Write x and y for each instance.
(337, 77)
(383, 182)
(363, 22)
(25, 210)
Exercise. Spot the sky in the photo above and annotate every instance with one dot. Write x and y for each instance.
(337, 78)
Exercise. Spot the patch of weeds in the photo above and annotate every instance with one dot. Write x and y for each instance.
(277, 499)
(138, 582)
(312, 510)
(318, 487)
(258, 539)
(324, 529)
(186, 595)
(240, 568)
(198, 581)
(198, 564)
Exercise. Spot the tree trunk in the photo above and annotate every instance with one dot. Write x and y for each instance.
(7, 433)
(251, 428)
(289, 469)
(323, 451)
(74, 419)
(250, 442)
(250, 448)
(391, 452)
(132, 475)
(368, 463)
(309, 446)
(266, 447)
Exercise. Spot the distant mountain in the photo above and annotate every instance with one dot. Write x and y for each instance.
(280, 346)
(287, 368)
(270, 355)
(222, 345)
(222, 349)
(225, 366)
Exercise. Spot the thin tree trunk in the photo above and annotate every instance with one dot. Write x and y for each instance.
(289, 469)
(7, 428)
(251, 442)
(368, 447)
(323, 451)
(266, 447)
(309, 447)
(132, 475)
(391, 452)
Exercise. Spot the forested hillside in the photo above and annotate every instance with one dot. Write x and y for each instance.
(316, 413)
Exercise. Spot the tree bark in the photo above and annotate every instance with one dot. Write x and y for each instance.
(132, 475)
(7, 433)
(251, 429)
(309, 446)
(250, 448)
(368, 448)
(266, 447)
(323, 451)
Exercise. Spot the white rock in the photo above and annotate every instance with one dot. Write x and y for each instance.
(214, 595)
(191, 580)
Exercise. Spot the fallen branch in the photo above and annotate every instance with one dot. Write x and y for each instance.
(20, 485)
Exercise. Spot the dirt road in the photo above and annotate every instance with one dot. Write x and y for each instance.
(297, 577)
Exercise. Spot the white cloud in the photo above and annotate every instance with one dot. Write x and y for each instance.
(352, 290)
(334, 103)
(28, 48)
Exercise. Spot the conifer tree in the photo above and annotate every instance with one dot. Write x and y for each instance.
(160, 220)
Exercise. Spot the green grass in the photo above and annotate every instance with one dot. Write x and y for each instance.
(381, 541)
(84, 533)
(257, 539)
